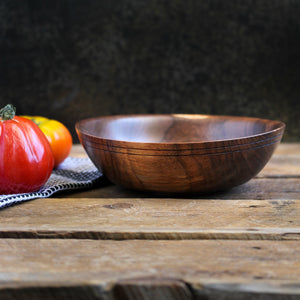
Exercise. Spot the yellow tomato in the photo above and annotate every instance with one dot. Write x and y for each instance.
(58, 135)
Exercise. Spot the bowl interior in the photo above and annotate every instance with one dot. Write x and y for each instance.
(175, 128)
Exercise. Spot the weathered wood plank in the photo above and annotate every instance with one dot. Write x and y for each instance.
(284, 163)
(115, 270)
(78, 151)
(288, 149)
(259, 188)
(125, 218)
(282, 166)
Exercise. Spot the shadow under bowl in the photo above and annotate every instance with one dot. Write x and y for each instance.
(179, 153)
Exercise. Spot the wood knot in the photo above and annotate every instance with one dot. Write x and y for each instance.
(118, 205)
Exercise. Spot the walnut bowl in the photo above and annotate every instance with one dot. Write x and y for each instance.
(179, 153)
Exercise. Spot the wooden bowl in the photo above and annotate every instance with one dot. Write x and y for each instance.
(179, 153)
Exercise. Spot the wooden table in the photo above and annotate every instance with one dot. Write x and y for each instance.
(110, 243)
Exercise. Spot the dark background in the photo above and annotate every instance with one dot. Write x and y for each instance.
(73, 59)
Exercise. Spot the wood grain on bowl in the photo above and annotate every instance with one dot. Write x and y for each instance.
(179, 153)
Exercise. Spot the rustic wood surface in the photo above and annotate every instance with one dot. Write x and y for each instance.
(112, 243)
(131, 218)
(257, 266)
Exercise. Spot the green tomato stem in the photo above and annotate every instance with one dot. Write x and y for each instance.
(8, 112)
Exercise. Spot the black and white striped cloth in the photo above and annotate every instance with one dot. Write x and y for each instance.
(74, 173)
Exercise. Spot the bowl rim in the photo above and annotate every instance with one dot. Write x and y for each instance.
(244, 140)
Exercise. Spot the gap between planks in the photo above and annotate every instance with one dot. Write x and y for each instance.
(282, 234)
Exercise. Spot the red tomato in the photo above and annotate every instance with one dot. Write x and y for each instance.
(26, 159)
